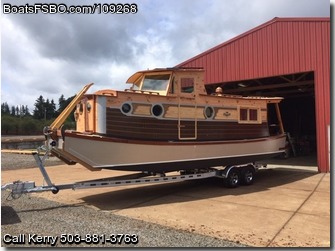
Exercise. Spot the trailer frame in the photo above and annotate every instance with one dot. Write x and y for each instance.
(230, 174)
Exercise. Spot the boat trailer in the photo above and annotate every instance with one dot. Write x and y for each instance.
(232, 175)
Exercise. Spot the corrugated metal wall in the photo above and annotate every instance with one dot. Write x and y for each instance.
(279, 47)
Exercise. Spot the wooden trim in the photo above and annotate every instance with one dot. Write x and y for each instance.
(66, 112)
(170, 166)
(279, 119)
(100, 137)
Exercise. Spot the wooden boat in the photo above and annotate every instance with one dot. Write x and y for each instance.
(166, 121)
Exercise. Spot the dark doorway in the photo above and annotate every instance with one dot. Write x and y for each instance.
(297, 108)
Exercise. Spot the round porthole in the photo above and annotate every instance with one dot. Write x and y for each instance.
(126, 108)
(88, 107)
(81, 108)
(209, 112)
(157, 110)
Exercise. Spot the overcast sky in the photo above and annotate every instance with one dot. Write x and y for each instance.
(54, 54)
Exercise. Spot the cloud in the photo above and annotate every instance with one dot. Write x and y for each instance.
(54, 54)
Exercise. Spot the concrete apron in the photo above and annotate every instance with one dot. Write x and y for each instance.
(285, 207)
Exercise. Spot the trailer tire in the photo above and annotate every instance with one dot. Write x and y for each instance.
(233, 178)
(247, 175)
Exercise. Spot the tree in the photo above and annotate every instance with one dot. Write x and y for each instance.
(27, 111)
(40, 109)
(22, 110)
(5, 108)
(13, 111)
(53, 107)
(50, 108)
(17, 110)
(61, 104)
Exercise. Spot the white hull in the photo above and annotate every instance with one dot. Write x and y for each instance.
(99, 152)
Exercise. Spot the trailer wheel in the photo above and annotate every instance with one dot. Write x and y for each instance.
(247, 175)
(233, 178)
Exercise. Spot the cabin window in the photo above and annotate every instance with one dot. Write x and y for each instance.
(81, 108)
(187, 85)
(253, 115)
(249, 115)
(243, 114)
(126, 108)
(157, 110)
(135, 87)
(209, 112)
(88, 107)
(155, 82)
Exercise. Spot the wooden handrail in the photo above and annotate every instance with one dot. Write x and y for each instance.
(66, 112)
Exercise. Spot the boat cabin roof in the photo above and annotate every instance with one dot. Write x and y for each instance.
(138, 75)
(157, 82)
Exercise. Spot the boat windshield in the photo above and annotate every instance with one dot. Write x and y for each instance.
(158, 83)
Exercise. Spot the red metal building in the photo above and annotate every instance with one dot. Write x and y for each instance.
(287, 57)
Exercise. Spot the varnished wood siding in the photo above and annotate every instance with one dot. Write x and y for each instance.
(150, 128)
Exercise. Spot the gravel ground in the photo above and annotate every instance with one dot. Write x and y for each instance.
(31, 215)
(34, 215)
(11, 161)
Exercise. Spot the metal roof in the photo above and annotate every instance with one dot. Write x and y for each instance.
(280, 46)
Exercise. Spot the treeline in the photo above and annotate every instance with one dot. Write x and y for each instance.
(17, 120)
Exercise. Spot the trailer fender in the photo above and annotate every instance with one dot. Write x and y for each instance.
(225, 172)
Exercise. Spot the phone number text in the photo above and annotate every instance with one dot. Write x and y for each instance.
(99, 239)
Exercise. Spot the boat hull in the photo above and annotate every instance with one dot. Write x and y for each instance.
(99, 152)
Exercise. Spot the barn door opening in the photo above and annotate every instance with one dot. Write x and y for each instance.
(298, 110)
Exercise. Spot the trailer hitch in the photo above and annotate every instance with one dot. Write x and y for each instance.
(20, 187)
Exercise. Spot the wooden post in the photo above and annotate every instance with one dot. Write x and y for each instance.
(279, 118)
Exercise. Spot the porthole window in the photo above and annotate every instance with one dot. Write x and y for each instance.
(126, 108)
(88, 107)
(157, 110)
(81, 108)
(209, 112)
